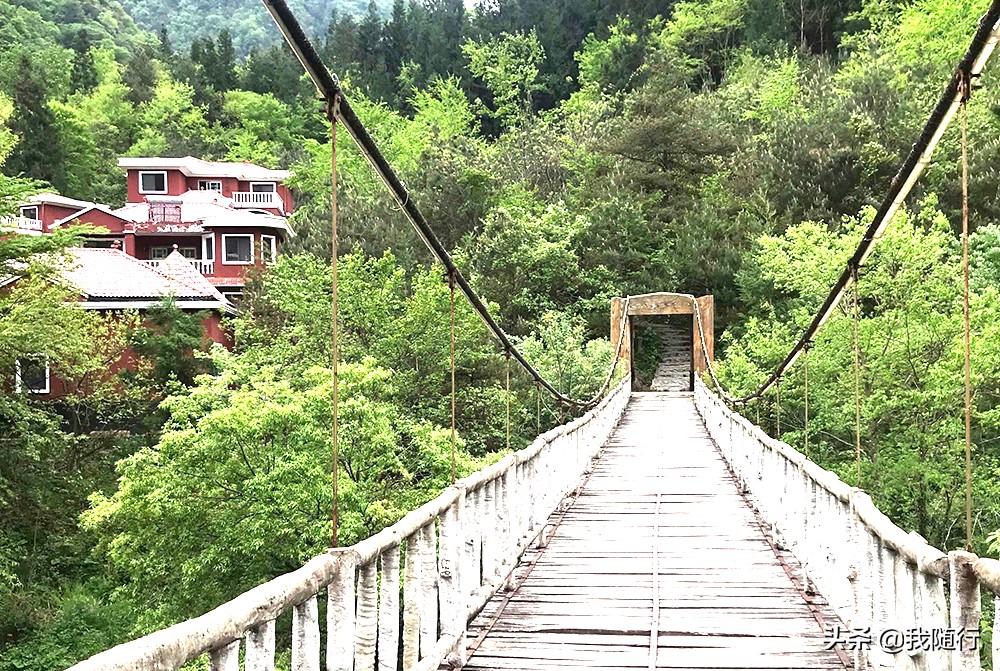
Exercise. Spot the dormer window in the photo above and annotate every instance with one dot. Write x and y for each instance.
(209, 185)
(153, 181)
(29, 211)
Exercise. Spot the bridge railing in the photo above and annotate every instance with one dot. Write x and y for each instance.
(878, 578)
(451, 555)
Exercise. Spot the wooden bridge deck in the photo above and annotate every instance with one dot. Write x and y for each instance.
(660, 563)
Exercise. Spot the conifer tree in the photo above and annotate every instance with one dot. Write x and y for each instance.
(36, 154)
(84, 74)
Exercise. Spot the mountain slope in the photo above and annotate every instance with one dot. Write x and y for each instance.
(246, 20)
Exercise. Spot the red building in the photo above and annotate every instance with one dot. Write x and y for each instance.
(189, 229)
(223, 217)
(110, 281)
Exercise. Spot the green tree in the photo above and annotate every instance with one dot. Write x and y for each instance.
(84, 76)
(34, 155)
(509, 66)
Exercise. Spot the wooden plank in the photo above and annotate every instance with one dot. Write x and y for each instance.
(661, 303)
(587, 599)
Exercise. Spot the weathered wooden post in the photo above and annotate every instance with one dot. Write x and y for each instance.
(305, 636)
(966, 609)
(341, 613)
(702, 355)
(619, 321)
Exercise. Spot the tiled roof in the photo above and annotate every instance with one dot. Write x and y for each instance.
(195, 167)
(111, 275)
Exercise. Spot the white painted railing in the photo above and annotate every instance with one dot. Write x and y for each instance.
(451, 554)
(202, 266)
(266, 199)
(22, 224)
(873, 574)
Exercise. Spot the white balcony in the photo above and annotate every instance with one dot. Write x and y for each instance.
(23, 224)
(264, 199)
(202, 266)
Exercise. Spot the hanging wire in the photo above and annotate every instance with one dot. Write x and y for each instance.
(333, 112)
(508, 400)
(973, 61)
(805, 391)
(777, 408)
(857, 381)
(965, 88)
(538, 409)
(451, 287)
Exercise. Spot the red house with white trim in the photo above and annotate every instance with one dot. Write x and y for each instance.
(224, 217)
(189, 229)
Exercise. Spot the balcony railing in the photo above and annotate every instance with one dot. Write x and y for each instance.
(202, 266)
(165, 213)
(21, 224)
(266, 199)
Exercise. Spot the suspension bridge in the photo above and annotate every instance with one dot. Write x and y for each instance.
(659, 530)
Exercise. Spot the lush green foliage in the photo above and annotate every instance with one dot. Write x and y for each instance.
(566, 152)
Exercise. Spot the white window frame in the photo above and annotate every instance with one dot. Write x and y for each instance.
(24, 212)
(161, 249)
(48, 378)
(166, 185)
(225, 261)
(273, 185)
(207, 185)
(274, 249)
(208, 245)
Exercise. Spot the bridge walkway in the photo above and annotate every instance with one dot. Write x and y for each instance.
(659, 563)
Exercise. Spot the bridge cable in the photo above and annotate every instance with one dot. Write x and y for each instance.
(857, 380)
(507, 358)
(332, 114)
(329, 87)
(969, 67)
(966, 91)
(805, 393)
(777, 408)
(538, 409)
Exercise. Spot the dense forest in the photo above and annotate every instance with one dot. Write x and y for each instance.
(567, 152)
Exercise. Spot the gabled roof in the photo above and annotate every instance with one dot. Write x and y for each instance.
(62, 201)
(109, 278)
(93, 208)
(195, 167)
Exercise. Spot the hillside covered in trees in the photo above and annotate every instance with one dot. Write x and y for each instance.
(567, 152)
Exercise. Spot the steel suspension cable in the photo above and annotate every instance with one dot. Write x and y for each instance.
(970, 66)
(329, 87)
(334, 345)
(966, 90)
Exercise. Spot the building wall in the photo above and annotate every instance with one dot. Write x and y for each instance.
(176, 185)
(237, 271)
(49, 213)
(104, 220)
(129, 360)
(143, 243)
